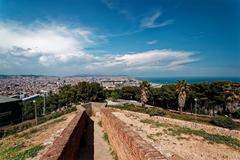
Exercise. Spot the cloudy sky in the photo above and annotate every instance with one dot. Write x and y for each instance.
(137, 38)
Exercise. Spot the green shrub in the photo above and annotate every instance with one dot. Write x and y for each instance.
(225, 122)
(153, 111)
(105, 137)
(236, 114)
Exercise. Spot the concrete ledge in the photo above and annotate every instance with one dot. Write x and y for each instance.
(127, 144)
(93, 107)
(67, 145)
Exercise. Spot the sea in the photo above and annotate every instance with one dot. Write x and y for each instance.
(172, 80)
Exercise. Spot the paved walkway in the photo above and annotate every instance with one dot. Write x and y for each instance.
(95, 147)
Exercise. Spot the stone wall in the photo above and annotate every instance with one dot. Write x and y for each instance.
(92, 108)
(67, 145)
(127, 144)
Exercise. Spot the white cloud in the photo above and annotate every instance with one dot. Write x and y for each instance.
(153, 59)
(152, 42)
(150, 21)
(109, 3)
(115, 5)
(59, 49)
(50, 43)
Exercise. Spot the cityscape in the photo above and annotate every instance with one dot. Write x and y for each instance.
(25, 86)
(119, 80)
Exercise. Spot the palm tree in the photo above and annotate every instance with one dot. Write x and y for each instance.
(232, 99)
(144, 86)
(181, 89)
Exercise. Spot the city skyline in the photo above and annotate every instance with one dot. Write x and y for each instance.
(106, 37)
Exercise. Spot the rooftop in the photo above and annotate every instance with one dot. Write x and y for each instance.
(4, 99)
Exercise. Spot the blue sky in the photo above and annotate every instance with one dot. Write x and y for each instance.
(137, 38)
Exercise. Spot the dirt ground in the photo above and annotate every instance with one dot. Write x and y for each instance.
(43, 134)
(186, 146)
(48, 135)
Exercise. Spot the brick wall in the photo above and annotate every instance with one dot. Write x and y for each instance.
(127, 144)
(67, 145)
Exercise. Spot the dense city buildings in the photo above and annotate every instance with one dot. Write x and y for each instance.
(24, 86)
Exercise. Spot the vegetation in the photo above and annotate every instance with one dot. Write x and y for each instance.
(100, 123)
(156, 111)
(144, 86)
(174, 130)
(236, 114)
(153, 111)
(27, 124)
(26, 144)
(17, 152)
(219, 97)
(30, 132)
(181, 89)
(215, 138)
(114, 155)
(115, 95)
(105, 137)
(223, 121)
(67, 95)
(30, 153)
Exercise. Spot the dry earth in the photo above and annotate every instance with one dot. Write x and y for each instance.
(48, 135)
(186, 146)
(43, 134)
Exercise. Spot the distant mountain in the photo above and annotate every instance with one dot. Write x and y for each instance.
(3, 76)
(92, 75)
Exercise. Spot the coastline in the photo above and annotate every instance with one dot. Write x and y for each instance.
(172, 80)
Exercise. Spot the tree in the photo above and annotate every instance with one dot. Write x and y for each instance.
(144, 86)
(181, 89)
(232, 100)
(130, 93)
(115, 95)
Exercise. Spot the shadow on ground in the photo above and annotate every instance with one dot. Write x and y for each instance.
(87, 143)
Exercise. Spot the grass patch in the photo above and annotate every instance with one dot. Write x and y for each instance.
(174, 130)
(225, 122)
(153, 111)
(9, 152)
(186, 117)
(28, 134)
(100, 123)
(152, 136)
(105, 137)
(155, 123)
(156, 111)
(114, 155)
(30, 153)
(17, 153)
(216, 138)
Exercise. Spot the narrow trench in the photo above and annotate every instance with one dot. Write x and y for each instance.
(93, 146)
(87, 142)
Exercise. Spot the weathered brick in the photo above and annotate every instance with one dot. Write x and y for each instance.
(66, 146)
(127, 144)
